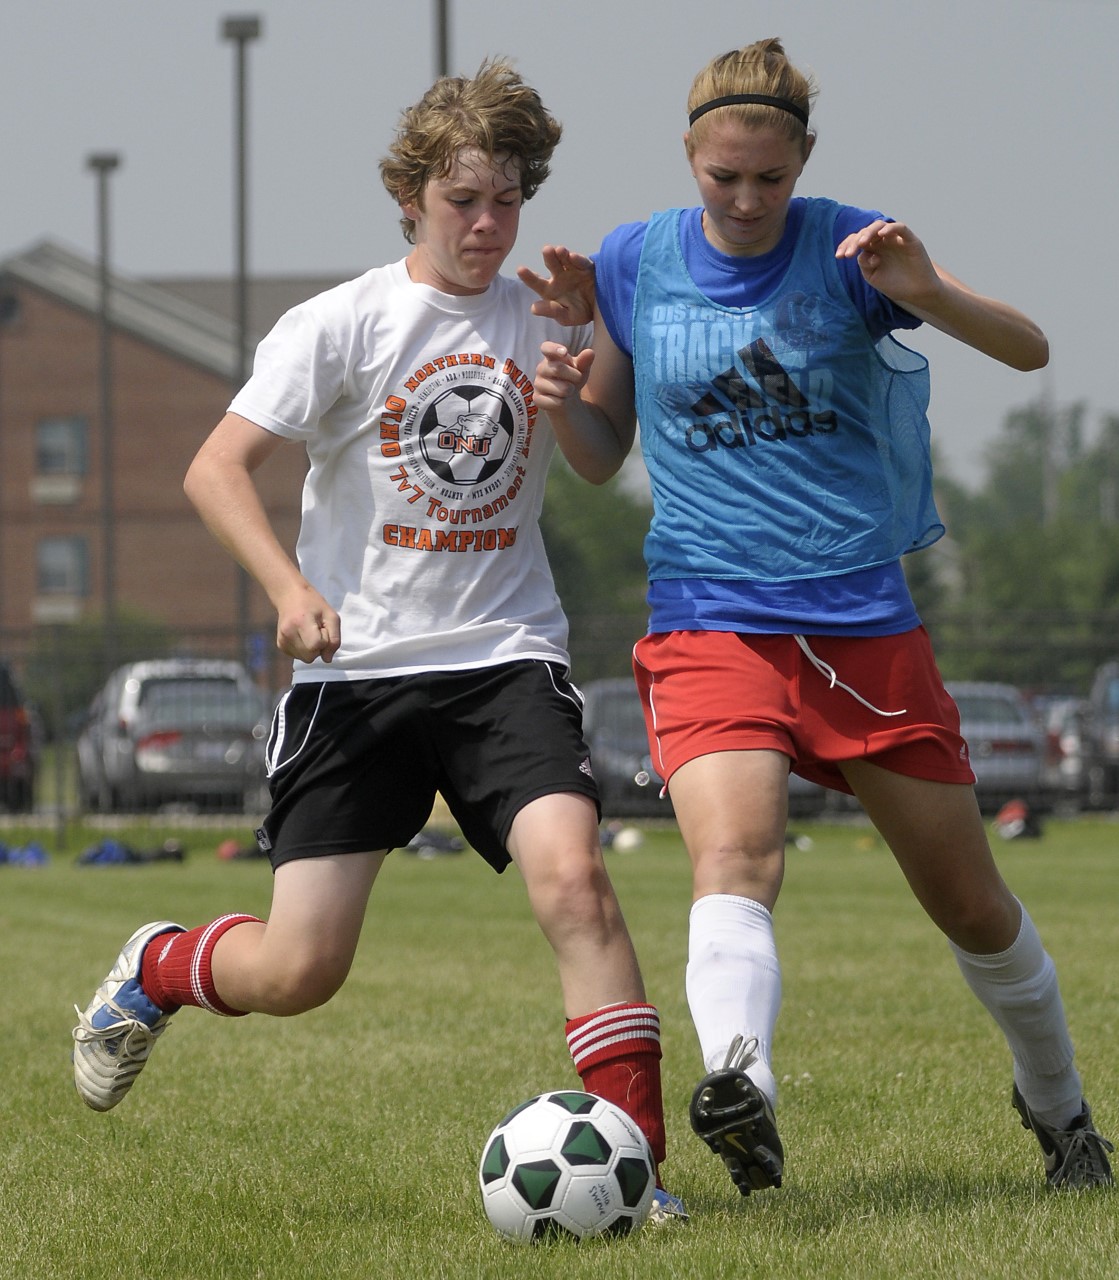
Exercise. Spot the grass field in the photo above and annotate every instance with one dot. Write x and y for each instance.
(344, 1143)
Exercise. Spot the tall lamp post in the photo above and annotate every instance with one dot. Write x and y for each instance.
(442, 39)
(241, 30)
(9, 314)
(103, 163)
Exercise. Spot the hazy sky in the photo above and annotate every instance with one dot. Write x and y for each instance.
(988, 125)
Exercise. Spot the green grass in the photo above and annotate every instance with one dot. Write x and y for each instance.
(344, 1143)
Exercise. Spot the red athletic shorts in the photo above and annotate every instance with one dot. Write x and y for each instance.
(707, 691)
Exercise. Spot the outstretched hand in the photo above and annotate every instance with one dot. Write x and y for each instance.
(567, 295)
(892, 260)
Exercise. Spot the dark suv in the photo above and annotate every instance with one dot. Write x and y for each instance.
(614, 727)
(17, 746)
(1101, 738)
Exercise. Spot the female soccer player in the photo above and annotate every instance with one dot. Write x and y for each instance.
(785, 435)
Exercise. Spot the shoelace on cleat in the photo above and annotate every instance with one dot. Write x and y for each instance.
(129, 1038)
(1083, 1156)
(741, 1054)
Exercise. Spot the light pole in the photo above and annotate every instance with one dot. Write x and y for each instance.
(241, 30)
(442, 39)
(9, 315)
(103, 163)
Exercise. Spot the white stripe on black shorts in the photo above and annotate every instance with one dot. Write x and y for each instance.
(354, 765)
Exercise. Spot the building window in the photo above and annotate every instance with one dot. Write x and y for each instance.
(62, 447)
(62, 567)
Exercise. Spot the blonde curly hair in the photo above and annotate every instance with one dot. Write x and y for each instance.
(494, 111)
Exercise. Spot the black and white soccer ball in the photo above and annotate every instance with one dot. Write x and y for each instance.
(566, 1163)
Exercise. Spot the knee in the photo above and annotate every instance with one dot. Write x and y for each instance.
(984, 924)
(305, 981)
(744, 870)
(576, 895)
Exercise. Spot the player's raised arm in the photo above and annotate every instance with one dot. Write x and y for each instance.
(893, 260)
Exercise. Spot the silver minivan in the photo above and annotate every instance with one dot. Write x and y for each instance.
(1006, 743)
(174, 730)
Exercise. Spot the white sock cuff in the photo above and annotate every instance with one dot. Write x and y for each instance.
(725, 905)
(1023, 957)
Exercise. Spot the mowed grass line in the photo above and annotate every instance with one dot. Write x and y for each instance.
(344, 1143)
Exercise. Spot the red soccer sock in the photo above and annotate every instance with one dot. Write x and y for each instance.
(175, 969)
(617, 1053)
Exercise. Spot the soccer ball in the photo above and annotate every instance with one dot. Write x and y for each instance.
(566, 1163)
(628, 840)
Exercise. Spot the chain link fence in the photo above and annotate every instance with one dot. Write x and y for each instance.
(179, 742)
(60, 671)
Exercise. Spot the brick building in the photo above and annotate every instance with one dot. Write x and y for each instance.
(173, 358)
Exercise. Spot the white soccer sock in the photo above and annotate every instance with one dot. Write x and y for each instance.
(734, 981)
(1018, 987)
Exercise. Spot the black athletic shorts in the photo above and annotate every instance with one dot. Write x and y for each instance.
(354, 765)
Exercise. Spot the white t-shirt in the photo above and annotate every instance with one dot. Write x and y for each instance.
(428, 462)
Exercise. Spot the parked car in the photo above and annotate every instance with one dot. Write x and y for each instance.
(1065, 773)
(614, 726)
(174, 730)
(1101, 738)
(1005, 741)
(18, 746)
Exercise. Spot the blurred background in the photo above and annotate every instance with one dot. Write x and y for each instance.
(176, 177)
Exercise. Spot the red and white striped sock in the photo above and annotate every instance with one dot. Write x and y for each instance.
(617, 1053)
(176, 967)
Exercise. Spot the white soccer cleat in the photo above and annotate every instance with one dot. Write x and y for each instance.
(666, 1208)
(119, 1027)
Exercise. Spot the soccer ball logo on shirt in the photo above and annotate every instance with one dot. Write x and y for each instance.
(466, 434)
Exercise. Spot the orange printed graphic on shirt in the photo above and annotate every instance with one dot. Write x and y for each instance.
(458, 432)
(523, 383)
(404, 484)
(432, 367)
(411, 538)
(390, 426)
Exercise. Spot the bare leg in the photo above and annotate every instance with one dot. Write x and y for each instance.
(301, 956)
(936, 833)
(732, 807)
(612, 1032)
(554, 844)
(937, 836)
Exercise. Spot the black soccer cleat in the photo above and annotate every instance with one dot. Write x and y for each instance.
(1076, 1157)
(731, 1114)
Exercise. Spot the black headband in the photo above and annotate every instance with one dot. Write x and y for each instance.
(732, 99)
